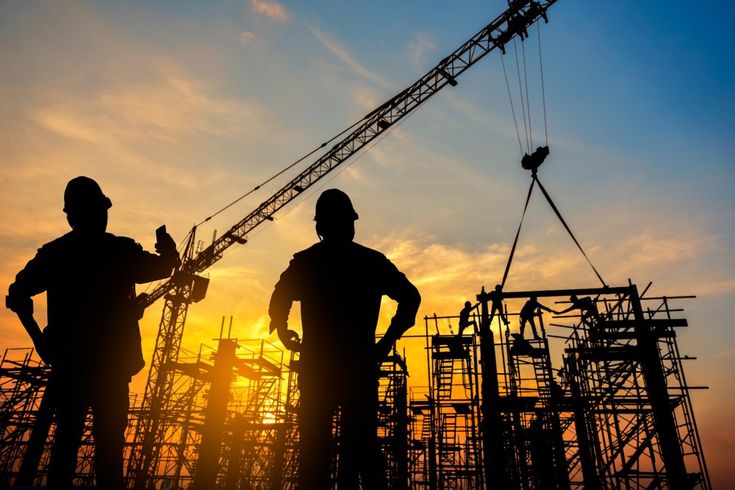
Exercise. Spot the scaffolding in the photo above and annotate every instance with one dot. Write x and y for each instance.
(393, 419)
(456, 411)
(22, 388)
(606, 405)
(637, 414)
(599, 399)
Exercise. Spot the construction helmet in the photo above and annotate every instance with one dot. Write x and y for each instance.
(334, 205)
(83, 193)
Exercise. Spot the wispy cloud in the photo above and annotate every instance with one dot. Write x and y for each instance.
(171, 107)
(271, 9)
(247, 37)
(420, 46)
(344, 55)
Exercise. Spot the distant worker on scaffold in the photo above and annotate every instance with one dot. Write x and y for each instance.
(464, 318)
(528, 314)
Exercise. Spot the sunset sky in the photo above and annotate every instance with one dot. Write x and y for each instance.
(179, 107)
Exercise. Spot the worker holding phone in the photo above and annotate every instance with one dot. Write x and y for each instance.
(92, 341)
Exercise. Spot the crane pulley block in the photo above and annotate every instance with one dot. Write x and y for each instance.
(195, 284)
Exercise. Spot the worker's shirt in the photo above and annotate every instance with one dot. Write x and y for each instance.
(340, 286)
(587, 305)
(464, 316)
(529, 309)
(90, 282)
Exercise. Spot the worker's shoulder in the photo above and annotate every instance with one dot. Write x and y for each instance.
(74, 245)
(121, 240)
(320, 250)
(122, 244)
(59, 243)
(307, 253)
(368, 253)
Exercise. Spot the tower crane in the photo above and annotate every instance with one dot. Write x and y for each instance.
(187, 286)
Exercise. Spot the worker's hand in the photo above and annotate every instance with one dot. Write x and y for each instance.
(383, 348)
(289, 339)
(44, 350)
(165, 245)
(22, 306)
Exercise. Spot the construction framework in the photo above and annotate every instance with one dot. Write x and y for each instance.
(605, 405)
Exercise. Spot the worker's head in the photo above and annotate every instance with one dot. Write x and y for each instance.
(85, 205)
(335, 217)
(498, 287)
(573, 298)
(467, 304)
(533, 298)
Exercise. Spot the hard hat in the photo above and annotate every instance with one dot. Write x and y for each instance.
(84, 193)
(334, 205)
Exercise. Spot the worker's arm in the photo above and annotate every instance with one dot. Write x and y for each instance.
(400, 289)
(152, 267)
(548, 309)
(282, 298)
(573, 307)
(30, 281)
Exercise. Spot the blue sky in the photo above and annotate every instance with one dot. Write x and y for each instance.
(179, 107)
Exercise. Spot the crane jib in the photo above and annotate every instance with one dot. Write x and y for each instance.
(186, 287)
(513, 22)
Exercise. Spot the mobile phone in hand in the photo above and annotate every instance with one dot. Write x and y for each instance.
(160, 233)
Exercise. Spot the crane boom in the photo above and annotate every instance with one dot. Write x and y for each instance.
(154, 432)
(514, 21)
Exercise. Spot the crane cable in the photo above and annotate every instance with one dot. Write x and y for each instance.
(512, 106)
(543, 85)
(526, 109)
(535, 180)
(518, 233)
(526, 113)
(558, 214)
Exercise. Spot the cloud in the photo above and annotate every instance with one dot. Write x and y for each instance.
(364, 98)
(170, 108)
(247, 37)
(420, 46)
(271, 9)
(346, 57)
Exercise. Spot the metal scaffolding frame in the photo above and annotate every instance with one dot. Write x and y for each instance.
(627, 368)
(600, 400)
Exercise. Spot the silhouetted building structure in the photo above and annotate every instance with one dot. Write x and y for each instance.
(597, 425)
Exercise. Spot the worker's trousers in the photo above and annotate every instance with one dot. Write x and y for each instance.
(108, 399)
(359, 455)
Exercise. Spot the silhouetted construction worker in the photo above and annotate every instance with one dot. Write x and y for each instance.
(586, 307)
(528, 315)
(464, 318)
(340, 284)
(496, 304)
(92, 341)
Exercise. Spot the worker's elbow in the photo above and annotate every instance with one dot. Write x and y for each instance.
(18, 301)
(170, 261)
(415, 297)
